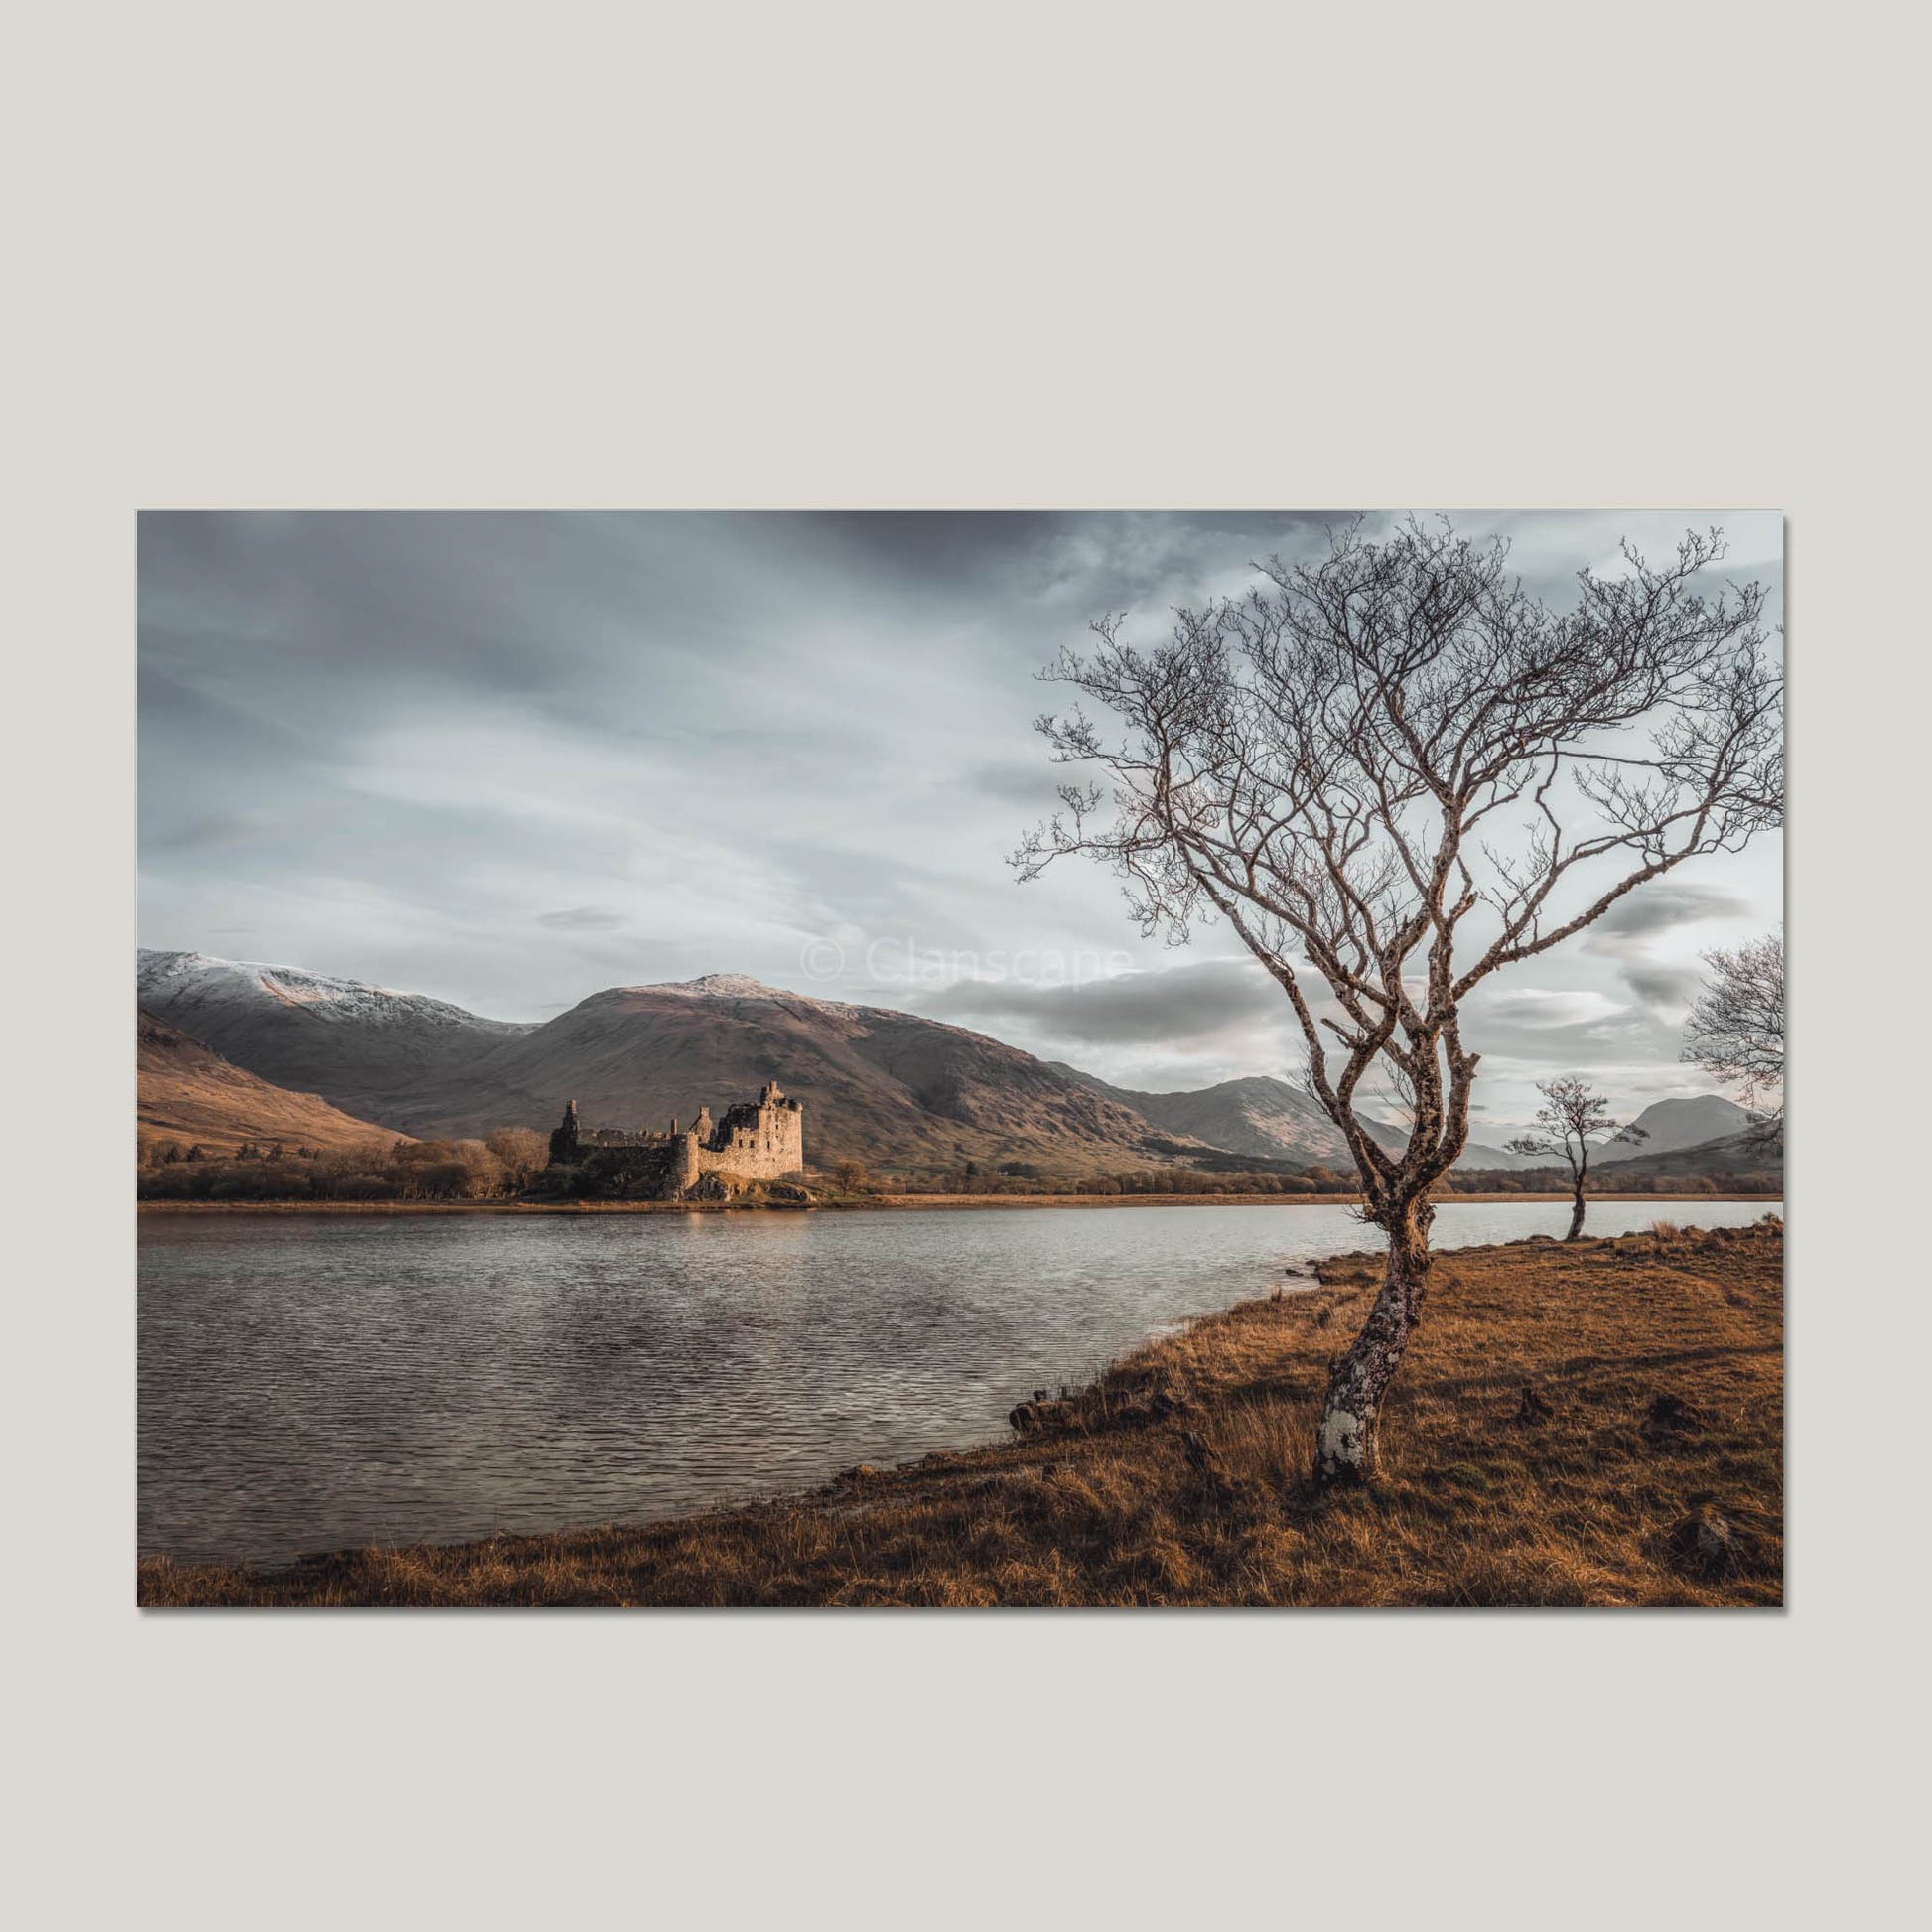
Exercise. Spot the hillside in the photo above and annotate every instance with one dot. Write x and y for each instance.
(364, 1048)
(881, 1086)
(1736, 1154)
(1672, 1126)
(1261, 1117)
(901, 1093)
(1268, 1118)
(188, 1093)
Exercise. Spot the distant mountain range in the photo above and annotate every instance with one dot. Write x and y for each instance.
(883, 1087)
(893, 1089)
(1267, 1117)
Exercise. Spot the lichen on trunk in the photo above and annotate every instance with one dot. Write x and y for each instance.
(1348, 1442)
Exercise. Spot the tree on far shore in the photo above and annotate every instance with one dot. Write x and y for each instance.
(1395, 772)
(1572, 1119)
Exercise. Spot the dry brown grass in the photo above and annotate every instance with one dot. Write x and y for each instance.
(1596, 1424)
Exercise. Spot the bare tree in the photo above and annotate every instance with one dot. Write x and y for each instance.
(1569, 1123)
(1325, 763)
(1736, 1028)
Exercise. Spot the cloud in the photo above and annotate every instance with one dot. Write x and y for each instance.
(1536, 1008)
(481, 755)
(1663, 986)
(1537, 1031)
(1183, 1003)
(582, 918)
(1660, 907)
(1630, 931)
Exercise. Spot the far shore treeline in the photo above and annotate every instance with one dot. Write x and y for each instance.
(512, 1165)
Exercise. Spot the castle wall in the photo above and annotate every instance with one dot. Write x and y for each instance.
(649, 1163)
(763, 1142)
(756, 1140)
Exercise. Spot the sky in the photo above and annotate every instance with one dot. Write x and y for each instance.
(512, 759)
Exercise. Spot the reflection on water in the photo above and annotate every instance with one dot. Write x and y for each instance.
(309, 1382)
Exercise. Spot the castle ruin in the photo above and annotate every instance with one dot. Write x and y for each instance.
(756, 1140)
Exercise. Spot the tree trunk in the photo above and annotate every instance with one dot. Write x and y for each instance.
(1345, 1448)
(1576, 1213)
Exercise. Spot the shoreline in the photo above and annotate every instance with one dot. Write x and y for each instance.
(884, 1203)
(1631, 1455)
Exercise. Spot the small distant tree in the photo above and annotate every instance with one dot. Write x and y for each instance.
(849, 1176)
(1572, 1121)
(1735, 1030)
(1395, 771)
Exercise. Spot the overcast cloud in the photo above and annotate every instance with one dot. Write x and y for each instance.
(512, 759)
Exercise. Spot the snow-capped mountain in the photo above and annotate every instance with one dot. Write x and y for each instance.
(726, 986)
(885, 1086)
(200, 979)
(364, 1049)
(895, 1089)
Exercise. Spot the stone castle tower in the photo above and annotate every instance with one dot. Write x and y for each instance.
(756, 1140)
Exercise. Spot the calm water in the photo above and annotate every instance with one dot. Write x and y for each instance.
(310, 1382)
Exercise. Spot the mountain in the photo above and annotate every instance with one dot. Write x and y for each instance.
(883, 1087)
(364, 1049)
(1704, 1133)
(1736, 1154)
(893, 1089)
(1478, 1155)
(1260, 1116)
(188, 1093)
(886, 1088)
(1671, 1125)
(1267, 1117)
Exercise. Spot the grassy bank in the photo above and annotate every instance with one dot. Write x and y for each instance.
(1592, 1425)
